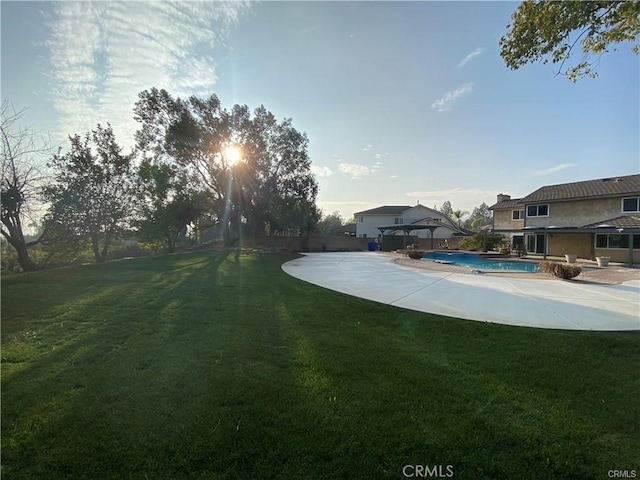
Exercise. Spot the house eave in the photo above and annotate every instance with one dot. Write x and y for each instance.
(538, 230)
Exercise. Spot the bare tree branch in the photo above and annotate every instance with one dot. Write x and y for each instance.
(22, 176)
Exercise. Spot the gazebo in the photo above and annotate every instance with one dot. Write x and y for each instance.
(407, 229)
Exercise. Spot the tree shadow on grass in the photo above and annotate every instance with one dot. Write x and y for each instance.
(227, 368)
(90, 349)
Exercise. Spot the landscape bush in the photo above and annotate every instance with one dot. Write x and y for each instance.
(476, 242)
(560, 270)
(415, 254)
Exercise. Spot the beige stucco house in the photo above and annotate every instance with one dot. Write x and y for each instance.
(593, 218)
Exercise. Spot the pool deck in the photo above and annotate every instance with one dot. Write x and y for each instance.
(510, 300)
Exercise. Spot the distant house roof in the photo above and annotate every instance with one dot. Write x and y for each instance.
(348, 229)
(602, 187)
(385, 210)
(513, 203)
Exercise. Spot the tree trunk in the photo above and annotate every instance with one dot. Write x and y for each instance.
(17, 241)
(226, 234)
(171, 241)
(24, 260)
(95, 245)
(105, 248)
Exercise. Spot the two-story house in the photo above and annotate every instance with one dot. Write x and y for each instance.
(396, 225)
(589, 219)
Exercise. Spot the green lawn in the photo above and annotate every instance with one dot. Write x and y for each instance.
(207, 365)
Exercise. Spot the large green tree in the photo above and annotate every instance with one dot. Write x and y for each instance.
(93, 195)
(266, 183)
(480, 216)
(329, 223)
(168, 204)
(550, 30)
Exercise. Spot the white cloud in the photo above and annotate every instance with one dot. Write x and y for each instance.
(367, 148)
(321, 171)
(448, 99)
(393, 176)
(557, 168)
(356, 171)
(102, 54)
(472, 55)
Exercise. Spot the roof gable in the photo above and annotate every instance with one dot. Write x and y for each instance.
(443, 221)
(385, 210)
(422, 207)
(602, 187)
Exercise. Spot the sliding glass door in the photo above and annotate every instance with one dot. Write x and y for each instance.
(535, 243)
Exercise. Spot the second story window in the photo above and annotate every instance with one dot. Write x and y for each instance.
(538, 210)
(360, 219)
(631, 204)
(399, 221)
(517, 214)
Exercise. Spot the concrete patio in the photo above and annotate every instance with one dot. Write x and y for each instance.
(523, 302)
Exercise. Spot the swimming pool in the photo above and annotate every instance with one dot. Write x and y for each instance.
(475, 261)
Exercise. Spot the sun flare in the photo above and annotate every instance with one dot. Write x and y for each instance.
(232, 155)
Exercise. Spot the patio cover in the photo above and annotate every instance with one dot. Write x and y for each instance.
(407, 229)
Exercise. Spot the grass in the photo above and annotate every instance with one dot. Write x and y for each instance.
(216, 366)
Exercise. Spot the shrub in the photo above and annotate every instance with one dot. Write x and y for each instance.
(415, 254)
(476, 242)
(560, 270)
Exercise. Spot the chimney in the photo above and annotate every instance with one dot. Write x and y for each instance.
(503, 198)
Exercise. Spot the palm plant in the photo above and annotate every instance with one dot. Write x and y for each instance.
(458, 214)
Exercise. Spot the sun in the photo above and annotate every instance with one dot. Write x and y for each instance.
(232, 155)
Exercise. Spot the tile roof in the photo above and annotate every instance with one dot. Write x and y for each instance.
(385, 210)
(513, 203)
(624, 221)
(602, 187)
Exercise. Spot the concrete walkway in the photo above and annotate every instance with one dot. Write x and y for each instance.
(511, 301)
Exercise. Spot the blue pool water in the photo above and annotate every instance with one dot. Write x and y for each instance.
(475, 261)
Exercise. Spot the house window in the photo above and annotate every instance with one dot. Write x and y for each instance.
(399, 221)
(609, 240)
(631, 204)
(538, 210)
(517, 214)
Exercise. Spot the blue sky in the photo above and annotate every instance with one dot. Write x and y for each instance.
(402, 101)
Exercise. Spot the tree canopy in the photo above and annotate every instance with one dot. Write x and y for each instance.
(269, 186)
(168, 203)
(542, 30)
(329, 223)
(93, 194)
(446, 208)
(480, 216)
